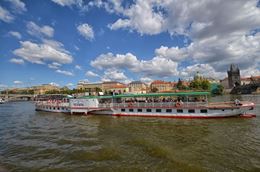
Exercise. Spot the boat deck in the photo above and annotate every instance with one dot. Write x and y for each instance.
(185, 105)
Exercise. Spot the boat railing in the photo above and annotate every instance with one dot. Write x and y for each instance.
(227, 104)
(46, 103)
(152, 104)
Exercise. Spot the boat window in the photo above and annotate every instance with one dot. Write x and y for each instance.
(223, 109)
(203, 111)
(169, 110)
(158, 110)
(148, 110)
(62, 108)
(131, 110)
(58, 108)
(191, 111)
(179, 111)
(139, 110)
(54, 108)
(122, 110)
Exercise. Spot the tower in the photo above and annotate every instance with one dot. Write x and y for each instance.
(233, 76)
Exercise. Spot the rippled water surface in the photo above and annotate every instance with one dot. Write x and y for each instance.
(40, 141)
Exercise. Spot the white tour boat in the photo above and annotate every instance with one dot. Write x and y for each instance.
(170, 105)
(52, 103)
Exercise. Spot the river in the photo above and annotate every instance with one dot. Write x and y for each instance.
(40, 141)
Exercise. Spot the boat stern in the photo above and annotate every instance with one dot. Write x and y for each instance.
(247, 107)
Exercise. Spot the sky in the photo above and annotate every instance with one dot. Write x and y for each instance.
(64, 41)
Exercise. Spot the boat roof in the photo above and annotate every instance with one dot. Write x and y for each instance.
(149, 95)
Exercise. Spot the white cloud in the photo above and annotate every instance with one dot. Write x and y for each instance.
(40, 53)
(68, 2)
(173, 53)
(91, 74)
(251, 71)
(64, 72)
(35, 30)
(110, 60)
(76, 47)
(5, 15)
(204, 69)
(3, 86)
(146, 80)
(141, 17)
(18, 82)
(112, 6)
(86, 31)
(185, 17)
(113, 75)
(70, 84)
(54, 65)
(78, 67)
(217, 38)
(15, 34)
(156, 66)
(18, 6)
(83, 81)
(17, 61)
(54, 84)
(120, 23)
(219, 53)
(160, 67)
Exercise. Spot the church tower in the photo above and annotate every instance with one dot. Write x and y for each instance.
(233, 76)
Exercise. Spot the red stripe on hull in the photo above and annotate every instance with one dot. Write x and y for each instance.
(164, 116)
(248, 116)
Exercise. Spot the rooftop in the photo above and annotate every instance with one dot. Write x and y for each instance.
(136, 82)
(160, 82)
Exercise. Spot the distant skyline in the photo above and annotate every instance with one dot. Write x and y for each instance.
(64, 41)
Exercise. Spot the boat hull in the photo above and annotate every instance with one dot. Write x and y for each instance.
(203, 112)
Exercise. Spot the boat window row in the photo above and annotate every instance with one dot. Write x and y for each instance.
(55, 108)
(167, 110)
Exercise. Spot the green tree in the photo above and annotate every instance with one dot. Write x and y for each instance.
(205, 84)
(195, 84)
(97, 89)
(200, 84)
(219, 90)
(154, 90)
(180, 85)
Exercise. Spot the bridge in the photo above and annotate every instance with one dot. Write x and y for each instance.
(17, 97)
(246, 89)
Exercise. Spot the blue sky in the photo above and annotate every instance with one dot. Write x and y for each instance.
(64, 41)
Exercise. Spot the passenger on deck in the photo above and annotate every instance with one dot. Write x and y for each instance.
(237, 102)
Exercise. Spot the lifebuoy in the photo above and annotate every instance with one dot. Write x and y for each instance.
(178, 104)
(130, 104)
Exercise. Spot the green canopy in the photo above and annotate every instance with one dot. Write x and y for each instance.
(150, 95)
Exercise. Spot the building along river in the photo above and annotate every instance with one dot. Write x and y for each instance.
(40, 141)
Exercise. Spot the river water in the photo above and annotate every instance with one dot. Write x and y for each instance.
(40, 141)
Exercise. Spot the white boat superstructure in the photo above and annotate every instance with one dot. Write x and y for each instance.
(53, 103)
(47, 106)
